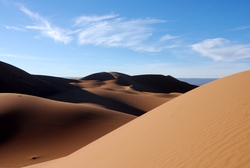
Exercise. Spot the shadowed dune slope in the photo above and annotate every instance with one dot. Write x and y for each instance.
(206, 127)
(34, 129)
(100, 89)
(162, 84)
(102, 76)
(114, 97)
(63, 83)
(145, 83)
(15, 80)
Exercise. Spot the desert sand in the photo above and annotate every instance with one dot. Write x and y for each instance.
(45, 118)
(206, 127)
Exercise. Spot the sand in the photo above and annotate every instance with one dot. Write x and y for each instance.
(206, 127)
(15, 80)
(45, 118)
(37, 129)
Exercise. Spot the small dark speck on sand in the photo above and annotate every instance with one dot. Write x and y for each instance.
(33, 158)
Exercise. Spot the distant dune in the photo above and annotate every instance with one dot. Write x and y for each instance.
(146, 83)
(43, 118)
(15, 80)
(206, 127)
(103, 89)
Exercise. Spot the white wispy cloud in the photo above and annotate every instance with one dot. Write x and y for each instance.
(168, 37)
(147, 48)
(45, 27)
(222, 49)
(240, 28)
(13, 28)
(113, 31)
(104, 30)
(87, 19)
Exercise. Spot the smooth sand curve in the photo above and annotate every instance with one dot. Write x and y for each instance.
(35, 129)
(206, 127)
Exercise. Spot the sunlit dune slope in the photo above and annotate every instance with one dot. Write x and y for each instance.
(206, 127)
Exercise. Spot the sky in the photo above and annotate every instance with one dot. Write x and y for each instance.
(184, 39)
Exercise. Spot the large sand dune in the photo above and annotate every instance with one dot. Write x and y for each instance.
(108, 92)
(43, 118)
(35, 129)
(206, 127)
(15, 80)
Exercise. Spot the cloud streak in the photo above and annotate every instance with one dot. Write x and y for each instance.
(87, 19)
(46, 28)
(220, 49)
(113, 31)
(104, 30)
(240, 28)
(168, 37)
(13, 28)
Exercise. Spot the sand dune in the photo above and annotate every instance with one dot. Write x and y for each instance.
(116, 99)
(145, 83)
(35, 129)
(102, 76)
(206, 127)
(103, 89)
(162, 84)
(15, 80)
(43, 118)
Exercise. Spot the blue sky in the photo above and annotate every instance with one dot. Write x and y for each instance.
(80, 37)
